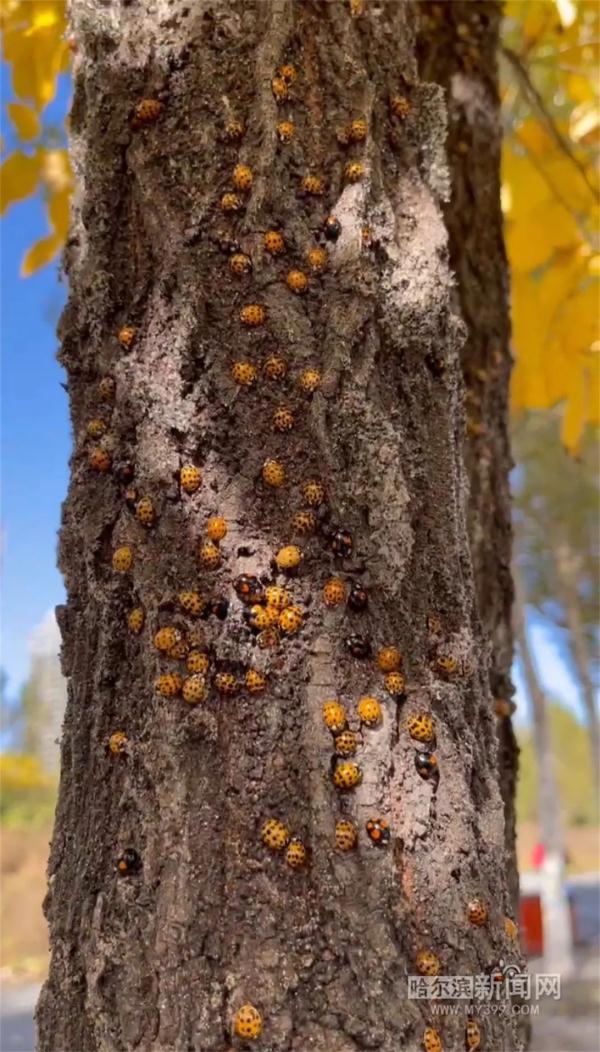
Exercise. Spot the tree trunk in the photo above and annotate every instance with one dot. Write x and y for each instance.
(558, 943)
(565, 562)
(162, 958)
(457, 48)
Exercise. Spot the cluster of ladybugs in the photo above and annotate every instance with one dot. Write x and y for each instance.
(268, 608)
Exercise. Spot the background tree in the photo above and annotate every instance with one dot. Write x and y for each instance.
(384, 434)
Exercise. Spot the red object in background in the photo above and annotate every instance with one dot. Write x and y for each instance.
(538, 855)
(531, 926)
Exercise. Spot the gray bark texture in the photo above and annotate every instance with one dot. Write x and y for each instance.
(163, 958)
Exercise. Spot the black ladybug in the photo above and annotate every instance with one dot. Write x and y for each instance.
(218, 606)
(332, 228)
(359, 598)
(248, 589)
(228, 245)
(426, 764)
(125, 472)
(340, 543)
(378, 831)
(129, 863)
(359, 647)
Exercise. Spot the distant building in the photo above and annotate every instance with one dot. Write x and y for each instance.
(45, 694)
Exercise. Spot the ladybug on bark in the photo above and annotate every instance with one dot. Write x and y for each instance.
(247, 1023)
(477, 912)
(432, 1041)
(428, 963)
(129, 863)
(359, 647)
(248, 588)
(346, 835)
(426, 765)
(340, 543)
(332, 228)
(218, 606)
(358, 600)
(378, 831)
(472, 1035)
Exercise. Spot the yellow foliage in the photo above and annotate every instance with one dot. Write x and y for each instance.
(19, 175)
(21, 772)
(25, 120)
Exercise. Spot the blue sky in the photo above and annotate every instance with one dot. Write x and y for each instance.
(36, 444)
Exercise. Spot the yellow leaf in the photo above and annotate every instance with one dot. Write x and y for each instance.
(58, 211)
(40, 254)
(533, 239)
(25, 120)
(574, 417)
(19, 175)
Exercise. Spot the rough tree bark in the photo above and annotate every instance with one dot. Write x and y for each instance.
(161, 959)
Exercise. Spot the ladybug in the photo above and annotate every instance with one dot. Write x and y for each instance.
(446, 664)
(358, 600)
(346, 835)
(197, 638)
(378, 831)
(334, 592)
(192, 603)
(126, 336)
(426, 764)
(268, 638)
(130, 496)
(125, 472)
(317, 260)
(334, 715)
(421, 727)
(358, 647)
(99, 459)
(218, 606)
(240, 263)
(286, 131)
(288, 72)
(510, 928)
(122, 559)
(290, 620)
(216, 528)
(107, 388)
(310, 380)
(273, 242)
(477, 912)
(358, 130)
(313, 185)
(129, 863)
(169, 684)
(313, 492)
(225, 683)
(369, 711)
(296, 281)
(283, 419)
(346, 775)
(234, 131)
(144, 512)
(117, 743)
(346, 743)
(354, 171)
(179, 650)
(296, 854)
(340, 543)
(273, 474)
(190, 478)
(96, 428)
(242, 178)
(259, 617)
(280, 89)
(226, 244)
(253, 315)
(289, 558)
(389, 659)
(277, 596)
(230, 203)
(209, 555)
(434, 625)
(194, 688)
(503, 708)
(248, 589)
(135, 619)
(304, 522)
(395, 684)
(247, 1023)
(255, 681)
(399, 106)
(428, 963)
(197, 662)
(332, 228)
(432, 1041)
(166, 638)
(472, 1035)
(275, 834)
(146, 112)
(275, 367)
